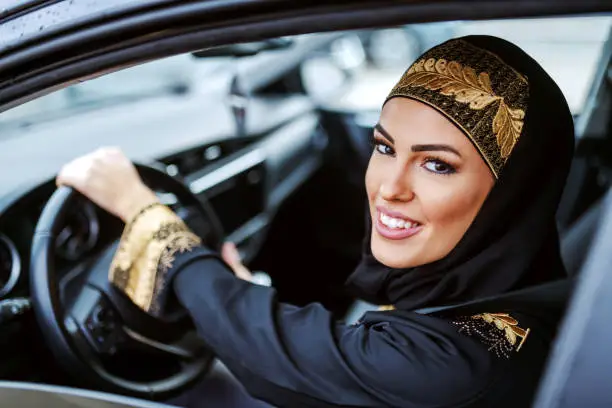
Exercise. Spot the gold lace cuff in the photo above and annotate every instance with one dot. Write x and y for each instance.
(146, 252)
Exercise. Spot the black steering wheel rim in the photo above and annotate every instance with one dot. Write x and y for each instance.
(60, 331)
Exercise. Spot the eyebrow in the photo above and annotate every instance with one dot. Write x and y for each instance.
(419, 147)
(434, 148)
(383, 132)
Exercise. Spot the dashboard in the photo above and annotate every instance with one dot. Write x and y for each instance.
(245, 150)
(80, 237)
(10, 265)
(245, 180)
(244, 155)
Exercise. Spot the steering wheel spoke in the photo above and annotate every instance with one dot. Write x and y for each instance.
(97, 322)
(97, 329)
(188, 348)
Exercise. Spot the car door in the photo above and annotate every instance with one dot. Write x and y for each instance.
(14, 394)
(48, 45)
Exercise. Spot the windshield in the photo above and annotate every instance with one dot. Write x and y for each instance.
(372, 59)
(170, 76)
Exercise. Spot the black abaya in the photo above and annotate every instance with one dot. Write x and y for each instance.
(484, 355)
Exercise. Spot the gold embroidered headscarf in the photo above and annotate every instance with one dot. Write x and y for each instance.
(519, 120)
(476, 90)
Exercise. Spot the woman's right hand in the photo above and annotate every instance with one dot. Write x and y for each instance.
(110, 180)
(231, 256)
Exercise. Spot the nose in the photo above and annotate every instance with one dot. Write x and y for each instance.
(397, 186)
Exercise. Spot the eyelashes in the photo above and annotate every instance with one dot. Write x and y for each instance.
(437, 166)
(431, 163)
(384, 149)
(381, 146)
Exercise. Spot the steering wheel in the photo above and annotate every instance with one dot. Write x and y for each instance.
(94, 330)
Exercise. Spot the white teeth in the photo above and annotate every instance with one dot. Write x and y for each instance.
(396, 222)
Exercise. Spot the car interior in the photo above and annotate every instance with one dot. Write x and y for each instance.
(272, 139)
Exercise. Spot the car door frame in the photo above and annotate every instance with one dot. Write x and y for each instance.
(150, 29)
(50, 53)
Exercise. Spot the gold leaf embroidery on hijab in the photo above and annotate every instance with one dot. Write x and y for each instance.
(462, 83)
(507, 126)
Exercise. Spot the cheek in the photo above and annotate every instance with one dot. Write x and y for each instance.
(372, 178)
(455, 204)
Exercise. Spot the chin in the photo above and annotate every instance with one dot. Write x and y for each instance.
(392, 257)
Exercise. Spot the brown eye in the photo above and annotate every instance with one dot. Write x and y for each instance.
(439, 167)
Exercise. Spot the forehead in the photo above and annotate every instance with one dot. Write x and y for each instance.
(410, 121)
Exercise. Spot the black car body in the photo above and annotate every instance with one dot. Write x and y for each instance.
(260, 152)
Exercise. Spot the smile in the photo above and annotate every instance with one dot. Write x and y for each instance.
(393, 227)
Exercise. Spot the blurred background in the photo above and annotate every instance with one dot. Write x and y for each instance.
(354, 73)
(346, 75)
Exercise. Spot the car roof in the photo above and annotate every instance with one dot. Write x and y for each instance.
(45, 45)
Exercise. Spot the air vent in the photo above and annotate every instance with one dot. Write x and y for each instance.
(239, 198)
(194, 160)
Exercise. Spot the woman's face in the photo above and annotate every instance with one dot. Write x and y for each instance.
(425, 182)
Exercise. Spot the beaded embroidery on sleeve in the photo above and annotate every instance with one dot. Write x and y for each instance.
(146, 252)
(498, 331)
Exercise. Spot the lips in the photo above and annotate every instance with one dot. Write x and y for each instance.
(394, 225)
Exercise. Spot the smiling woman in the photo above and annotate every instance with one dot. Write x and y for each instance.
(427, 183)
(479, 206)
(461, 208)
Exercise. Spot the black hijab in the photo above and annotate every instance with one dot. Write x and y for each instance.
(513, 242)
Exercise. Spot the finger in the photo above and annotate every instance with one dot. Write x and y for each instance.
(230, 254)
(59, 179)
(74, 174)
(66, 175)
(243, 273)
(104, 150)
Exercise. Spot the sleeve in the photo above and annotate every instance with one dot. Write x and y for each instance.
(300, 356)
(142, 264)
